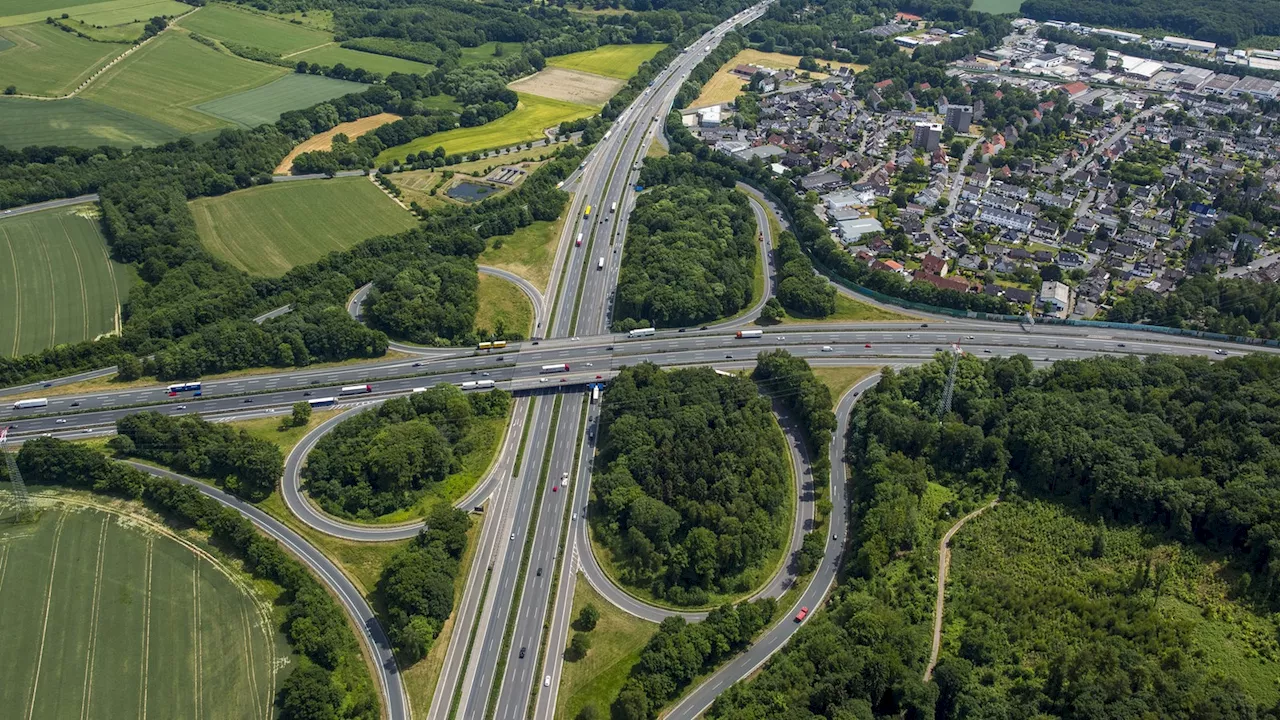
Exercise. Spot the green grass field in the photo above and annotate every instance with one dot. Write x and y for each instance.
(78, 122)
(265, 103)
(331, 55)
(47, 61)
(270, 228)
(107, 617)
(20, 12)
(121, 12)
(533, 115)
(167, 77)
(527, 252)
(615, 61)
(56, 283)
(484, 53)
(997, 7)
(503, 304)
(616, 643)
(224, 22)
(850, 310)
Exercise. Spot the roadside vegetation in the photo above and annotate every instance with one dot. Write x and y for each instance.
(690, 255)
(329, 675)
(613, 640)
(1129, 564)
(692, 483)
(404, 451)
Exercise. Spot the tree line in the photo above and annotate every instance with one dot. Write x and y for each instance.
(690, 257)
(242, 464)
(384, 459)
(416, 585)
(330, 680)
(791, 381)
(680, 652)
(693, 479)
(1229, 22)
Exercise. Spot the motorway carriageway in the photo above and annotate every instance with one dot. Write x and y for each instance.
(588, 357)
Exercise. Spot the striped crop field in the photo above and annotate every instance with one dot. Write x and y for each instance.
(108, 615)
(57, 284)
(268, 229)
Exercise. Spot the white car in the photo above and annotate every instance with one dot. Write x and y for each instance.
(60, 421)
(826, 348)
(181, 407)
(513, 536)
(542, 380)
(546, 681)
(1219, 351)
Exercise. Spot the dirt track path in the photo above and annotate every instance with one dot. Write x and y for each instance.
(944, 564)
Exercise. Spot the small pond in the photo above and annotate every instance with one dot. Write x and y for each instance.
(470, 192)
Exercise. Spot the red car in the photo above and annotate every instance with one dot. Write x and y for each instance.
(801, 615)
(867, 345)
(555, 488)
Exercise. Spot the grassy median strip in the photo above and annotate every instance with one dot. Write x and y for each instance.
(492, 706)
(549, 617)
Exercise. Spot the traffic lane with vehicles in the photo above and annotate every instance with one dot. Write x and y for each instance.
(562, 610)
(362, 616)
(773, 639)
(521, 674)
(480, 677)
(588, 361)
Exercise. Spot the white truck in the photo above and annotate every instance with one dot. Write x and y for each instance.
(32, 403)
(600, 264)
(641, 332)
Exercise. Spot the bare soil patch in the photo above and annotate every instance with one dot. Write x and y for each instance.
(569, 85)
(324, 140)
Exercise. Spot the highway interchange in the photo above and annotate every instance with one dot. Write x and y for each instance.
(535, 540)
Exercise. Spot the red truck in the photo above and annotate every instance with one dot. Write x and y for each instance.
(801, 615)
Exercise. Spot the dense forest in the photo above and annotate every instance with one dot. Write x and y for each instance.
(1226, 22)
(241, 463)
(691, 494)
(383, 459)
(690, 257)
(680, 652)
(330, 679)
(791, 381)
(1182, 448)
(416, 586)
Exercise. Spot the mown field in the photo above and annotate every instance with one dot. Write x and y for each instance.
(224, 22)
(44, 60)
(265, 103)
(483, 53)
(57, 284)
(112, 12)
(503, 307)
(527, 122)
(528, 252)
(168, 77)
(108, 618)
(997, 7)
(78, 122)
(270, 228)
(331, 55)
(615, 61)
(616, 643)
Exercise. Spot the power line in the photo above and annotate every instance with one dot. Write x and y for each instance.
(26, 509)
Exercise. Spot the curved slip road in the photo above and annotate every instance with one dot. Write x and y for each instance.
(700, 698)
(368, 629)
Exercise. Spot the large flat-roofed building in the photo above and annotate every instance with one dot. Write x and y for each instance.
(926, 136)
(1187, 45)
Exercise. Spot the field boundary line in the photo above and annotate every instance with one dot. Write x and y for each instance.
(247, 634)
(195, 625)
(286, 57)
(84, 294)
(87, 692)
(111, 271)
(48, 600)
(17, 293)
(146, 633)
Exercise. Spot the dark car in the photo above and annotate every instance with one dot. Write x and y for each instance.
(728, 357)
(248, 400)
(924, 324)
(417, 364)
(75, 404)
(681, 329)
(539, 572)
(522, 653)
(306, 394)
